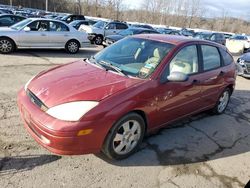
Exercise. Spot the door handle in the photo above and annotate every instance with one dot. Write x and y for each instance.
(222, 73)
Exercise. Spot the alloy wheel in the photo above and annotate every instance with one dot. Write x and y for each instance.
(127, 137)
(5, 46)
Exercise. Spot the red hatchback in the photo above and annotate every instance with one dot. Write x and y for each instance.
(109, 102)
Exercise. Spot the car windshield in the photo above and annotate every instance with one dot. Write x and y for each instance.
(204, 36)
(74, 23)
(100, 24)
(239, 37)
(135, 56)
(21, 24)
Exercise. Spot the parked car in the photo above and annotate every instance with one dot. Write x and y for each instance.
(41, 33)
(5, 11)
(132, 88)
(215, 37)
(243, 65)
(7, 20)
(186, 32)
(174, 32)
(127, 32)
(142, 26)
(77, 23)
(242, 39)
(165, 30)
(70, 18)
(101, 29)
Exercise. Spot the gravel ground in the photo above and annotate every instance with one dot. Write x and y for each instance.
(201, 151)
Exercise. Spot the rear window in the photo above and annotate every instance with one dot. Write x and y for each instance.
(227, 58)
(211, 57)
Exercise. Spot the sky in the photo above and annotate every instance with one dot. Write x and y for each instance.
(232, 8)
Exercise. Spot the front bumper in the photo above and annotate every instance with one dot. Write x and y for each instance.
(56, 135)
(243, 70)
(91, 36)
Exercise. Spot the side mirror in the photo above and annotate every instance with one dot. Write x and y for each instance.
(177, 77)
(27, 29)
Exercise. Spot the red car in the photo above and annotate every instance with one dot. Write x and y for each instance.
(109, 102)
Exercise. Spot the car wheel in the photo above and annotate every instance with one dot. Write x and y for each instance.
(6, 46)
(222, 102)
(98, 40)
(125, 137)
(72, 46)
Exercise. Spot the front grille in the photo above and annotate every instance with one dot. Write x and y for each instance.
(34, 99)
(248, 67)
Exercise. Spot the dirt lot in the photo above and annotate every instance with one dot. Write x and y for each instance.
(202, 151)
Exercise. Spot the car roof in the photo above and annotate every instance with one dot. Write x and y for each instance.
(174, 39)
(45, 19)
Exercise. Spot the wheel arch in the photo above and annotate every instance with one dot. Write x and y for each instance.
(73, 39)
(6, 37)
(231, 87)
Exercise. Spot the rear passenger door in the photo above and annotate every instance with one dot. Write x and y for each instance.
(59, 34)
(212, 80)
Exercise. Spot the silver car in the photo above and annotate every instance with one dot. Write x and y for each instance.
(41, 33)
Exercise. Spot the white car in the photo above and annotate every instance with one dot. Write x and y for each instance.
(41, 33)
(101, 29)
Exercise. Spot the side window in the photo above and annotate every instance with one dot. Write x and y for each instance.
(111, 26)
(34, 26)
(121, 26)
(228, 59)
(211, 57)
(59, 27)
(186, 61)
(213, 37)
(5, 20)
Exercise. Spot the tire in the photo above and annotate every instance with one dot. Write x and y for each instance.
(6, 45)
(72, 46)
(121, 143)
(98, 40)
(222, 102)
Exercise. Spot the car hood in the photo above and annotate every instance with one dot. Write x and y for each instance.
(78, 81)
(115, 37)
(91, 29)
(246, 57)
(6, 29)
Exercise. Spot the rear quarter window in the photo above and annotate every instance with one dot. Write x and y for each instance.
(227, 58)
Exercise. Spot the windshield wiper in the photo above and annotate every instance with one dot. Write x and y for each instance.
(112, 67)
(92, 60)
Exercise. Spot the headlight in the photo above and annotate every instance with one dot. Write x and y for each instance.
(72, 111)
(27, 84)
(241, 61)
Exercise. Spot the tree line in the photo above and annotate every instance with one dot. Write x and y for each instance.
(179, 13)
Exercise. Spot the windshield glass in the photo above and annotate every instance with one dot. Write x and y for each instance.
(21, 24)
(134, 56)
(74, 23)
(100, 24)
